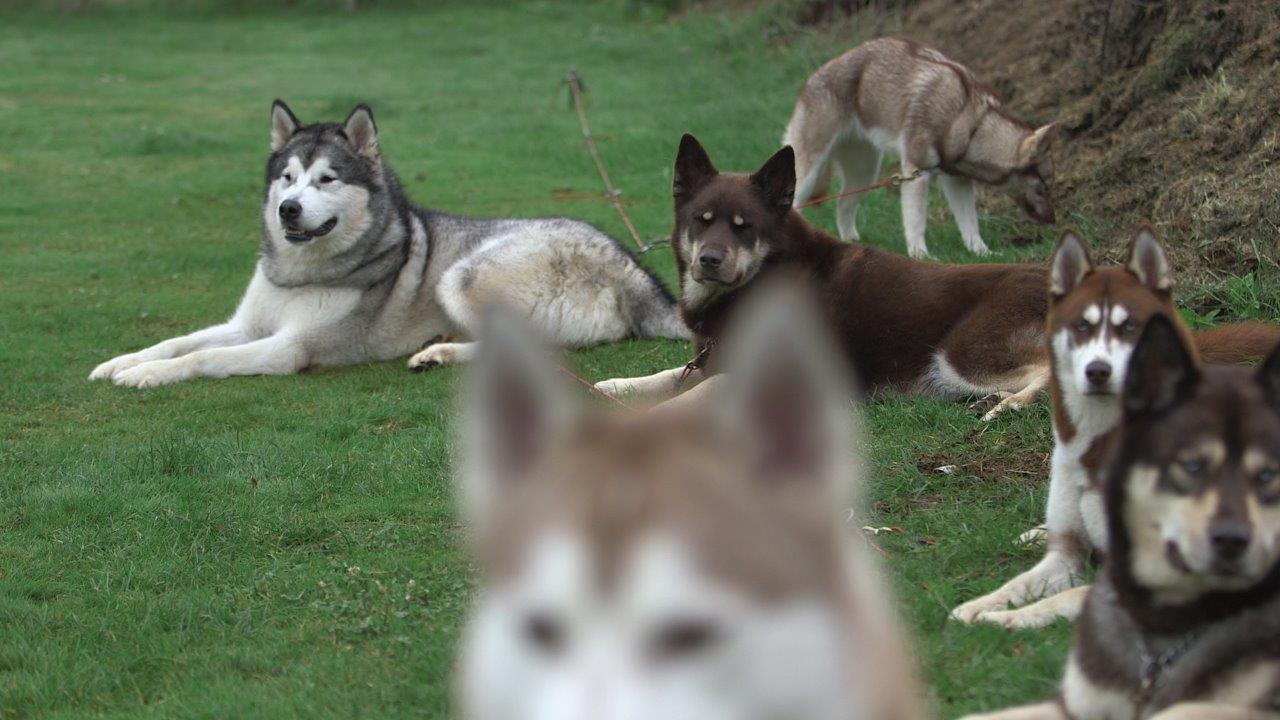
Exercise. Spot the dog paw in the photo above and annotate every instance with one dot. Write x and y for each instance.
(1035, 536)
(434, 355)
(149, 374)
(614, 388)
(995, 404)
(114, 366)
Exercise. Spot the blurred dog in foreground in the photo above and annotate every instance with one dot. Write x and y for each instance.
(351, 271)
(686, 563)
(1096, 315)
(904, 325)
(1185, 621)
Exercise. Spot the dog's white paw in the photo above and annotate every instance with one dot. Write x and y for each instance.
(150, 374)
(968, 613)
(445, 353)
(112, 367)
(1035, 536)
(1004, 401)
(615, 388)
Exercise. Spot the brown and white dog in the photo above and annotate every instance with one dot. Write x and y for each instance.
(689, 563)
(1096, 315)
(891, 95)
(1185, 620)
(902, 324)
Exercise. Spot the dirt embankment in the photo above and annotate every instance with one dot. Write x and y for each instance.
(1170, 108)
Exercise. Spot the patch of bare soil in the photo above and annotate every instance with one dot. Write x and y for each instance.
(1170, 109)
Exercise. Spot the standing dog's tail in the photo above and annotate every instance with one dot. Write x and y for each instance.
(1237, 342)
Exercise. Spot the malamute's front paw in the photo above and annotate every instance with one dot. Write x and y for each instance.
(151, 374)
(445, 353)
(116, 365)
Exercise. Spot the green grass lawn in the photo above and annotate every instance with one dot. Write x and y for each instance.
(288, 546)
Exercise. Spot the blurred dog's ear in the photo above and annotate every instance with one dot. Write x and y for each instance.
(788, 396)
(1162, 371)
(515, 405)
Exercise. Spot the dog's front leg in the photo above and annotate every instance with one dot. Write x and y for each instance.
(1039, 711)
(275, 355)
(661, 384)
(1213, 711)
(915, 212)
(215, 336)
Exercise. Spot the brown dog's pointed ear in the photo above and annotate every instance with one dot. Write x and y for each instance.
(1161, 372)
(1070, 265)
(776, 179)
(693, 168)
(283, 124)
(1269, 377)
(1148, 261)
(362, 131)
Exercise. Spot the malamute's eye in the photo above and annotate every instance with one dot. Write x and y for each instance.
(288, 176)
(544, 633)
(326, 179)
(683, 638)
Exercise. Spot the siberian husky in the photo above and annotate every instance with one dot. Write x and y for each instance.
(895, 96)
(1185, 622)
(683, 563)
(350, 271)
(902, 324)
(1095, 316)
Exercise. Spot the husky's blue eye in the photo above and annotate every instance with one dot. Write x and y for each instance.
(1267, 477)
(1083, 326)
(1192, 467)
(1129, 326)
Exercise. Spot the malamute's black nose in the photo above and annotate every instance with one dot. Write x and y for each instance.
(1229, 538)
(290, 210)
(1098, 373)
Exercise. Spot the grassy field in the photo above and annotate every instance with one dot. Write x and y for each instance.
(279, 547)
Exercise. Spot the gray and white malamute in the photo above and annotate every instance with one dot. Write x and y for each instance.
(351, 271)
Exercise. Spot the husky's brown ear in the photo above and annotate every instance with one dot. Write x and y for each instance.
(362, 132)
(776, 179)
(283, 124)
(1269, 377)
(1037, 145)
(788, 399)
(515, 404)
(693, 169)
(1148, 261)
(1070, 265)
(1162, 371)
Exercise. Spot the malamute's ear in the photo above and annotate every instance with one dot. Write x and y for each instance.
(1148, 262)
(1037, 145)
(1162, 372)
(362, 132)
(515, 405)
(1070, 264)
(283, 124)
(788, 398)
(693, 169)
(776, 179)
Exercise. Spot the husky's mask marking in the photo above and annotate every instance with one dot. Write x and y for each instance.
(684, 563)
(351, 271)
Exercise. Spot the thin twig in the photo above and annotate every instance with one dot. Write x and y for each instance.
(574, 80)
(894, 180)
(591, 386)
